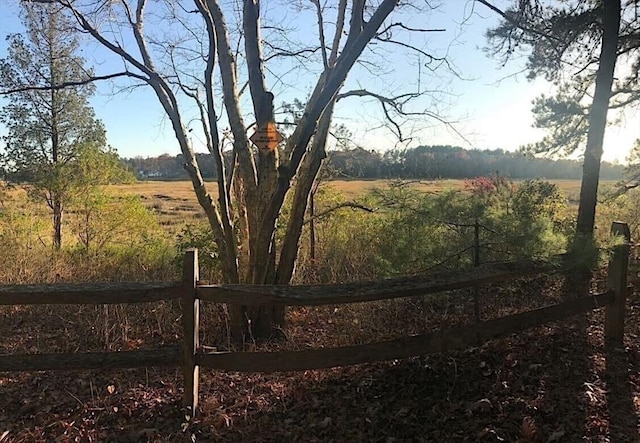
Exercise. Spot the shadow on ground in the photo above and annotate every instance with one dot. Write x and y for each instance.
(554, 383)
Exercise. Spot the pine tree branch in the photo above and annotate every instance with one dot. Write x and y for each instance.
(517, 23)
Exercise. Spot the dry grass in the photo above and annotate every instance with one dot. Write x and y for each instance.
(182, 191)
(177, 197)
(175, 202)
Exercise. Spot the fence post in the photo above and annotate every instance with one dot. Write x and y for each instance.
(617, 282)
(191, 329)
(476, 263)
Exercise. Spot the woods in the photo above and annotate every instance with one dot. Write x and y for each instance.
(421, 163)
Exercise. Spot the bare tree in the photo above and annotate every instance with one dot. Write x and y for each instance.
(209, 55)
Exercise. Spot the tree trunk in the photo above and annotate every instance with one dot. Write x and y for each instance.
(260, 322)
(598, 121)
(582, 248)
(312, 228)
(57, 223)
(304, 187)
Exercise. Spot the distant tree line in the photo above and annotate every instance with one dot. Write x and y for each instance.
(422, 162)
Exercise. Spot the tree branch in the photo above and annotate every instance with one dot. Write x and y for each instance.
(349, 204)
(507, 17)
(408, 28)
(335, 46)
(323, 47)
(69, 84)
(227, 65)
(261, 98)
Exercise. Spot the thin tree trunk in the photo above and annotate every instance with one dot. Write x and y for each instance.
(579, 281)
(312, 228)
(306, 178)
(56, 203)
(57, 223)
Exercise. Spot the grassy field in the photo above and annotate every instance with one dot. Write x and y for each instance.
(182, 191)
(175, 201)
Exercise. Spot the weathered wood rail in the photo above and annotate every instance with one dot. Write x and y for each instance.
(169, 356)
(191, 356)
(88, 293)
(315, 295)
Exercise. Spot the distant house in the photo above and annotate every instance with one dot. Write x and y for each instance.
(149, 174)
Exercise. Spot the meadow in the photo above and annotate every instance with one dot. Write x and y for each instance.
(182, 191)
(175, 202)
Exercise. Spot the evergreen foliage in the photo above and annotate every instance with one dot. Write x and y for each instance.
(52, 131)
(586, 49)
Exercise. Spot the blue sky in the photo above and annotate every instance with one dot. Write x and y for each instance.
(489, 106)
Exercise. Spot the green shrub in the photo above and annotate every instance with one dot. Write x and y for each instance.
(199, 236)
(413, 232)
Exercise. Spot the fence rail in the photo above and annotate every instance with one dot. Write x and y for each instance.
(169, 356)
(88, 293)
(434, 342)
(191, 356)
(315, 295)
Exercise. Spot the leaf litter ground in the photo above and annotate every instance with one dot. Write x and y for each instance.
(555, 383)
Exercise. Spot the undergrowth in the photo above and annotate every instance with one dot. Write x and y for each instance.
(407, 232)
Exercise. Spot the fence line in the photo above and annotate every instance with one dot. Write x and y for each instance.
(434, 342)
(168, 356)
(191, 356)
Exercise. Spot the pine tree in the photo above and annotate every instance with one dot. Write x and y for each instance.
(591, 51)
(48, 118)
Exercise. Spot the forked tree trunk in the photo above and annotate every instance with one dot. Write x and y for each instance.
(244, 227)
(274, 178)
(262, 322)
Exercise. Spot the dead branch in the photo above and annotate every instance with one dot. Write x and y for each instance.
(323, 47)
(70, 84)
(408, 28)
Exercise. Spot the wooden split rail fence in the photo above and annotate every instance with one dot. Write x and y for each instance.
(192, 356)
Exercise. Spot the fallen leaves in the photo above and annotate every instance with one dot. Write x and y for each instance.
(557, 435)
(529, 429)
(546, 385)
(485, 369)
